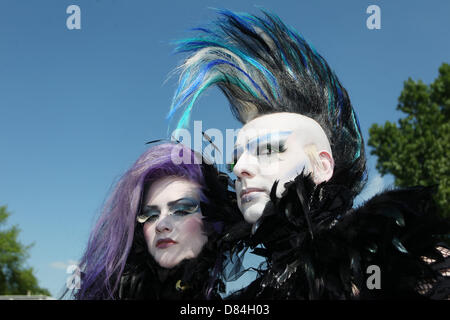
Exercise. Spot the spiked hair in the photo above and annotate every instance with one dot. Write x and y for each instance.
(263, 66)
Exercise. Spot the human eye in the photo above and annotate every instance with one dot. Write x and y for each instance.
(268, 149)
(185, 207)
(264, 149)
(148, 215)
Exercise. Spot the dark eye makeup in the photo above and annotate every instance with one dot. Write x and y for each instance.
(264, 149)
(269, 148)
(181, 207)
(185, 206)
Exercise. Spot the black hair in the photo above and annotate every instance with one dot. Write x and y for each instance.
(263, 66)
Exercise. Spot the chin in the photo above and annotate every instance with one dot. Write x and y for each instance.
(168, 264)
(253, 212)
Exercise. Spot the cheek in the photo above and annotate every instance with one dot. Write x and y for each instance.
(293, 165)
(238, 187)
(149, 234)
(192, 236)
(191, 226)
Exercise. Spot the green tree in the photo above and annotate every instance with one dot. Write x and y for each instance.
(417, 150)
(14, 277)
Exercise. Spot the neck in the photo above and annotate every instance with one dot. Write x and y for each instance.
(163, 273)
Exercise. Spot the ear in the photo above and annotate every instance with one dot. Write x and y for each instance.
(324, 169)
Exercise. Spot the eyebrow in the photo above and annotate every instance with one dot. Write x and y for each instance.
(170, 204)
(261, 139)
(173, 203)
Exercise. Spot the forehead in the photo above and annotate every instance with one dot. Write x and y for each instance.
(273, 123)
(169, 189)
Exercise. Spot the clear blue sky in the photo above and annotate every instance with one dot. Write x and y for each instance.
(77, 106)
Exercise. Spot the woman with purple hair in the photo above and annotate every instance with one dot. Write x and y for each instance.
(158, 234)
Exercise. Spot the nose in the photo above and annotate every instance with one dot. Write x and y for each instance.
(245, 167)
(164, 225)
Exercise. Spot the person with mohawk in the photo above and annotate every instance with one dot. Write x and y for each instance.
(299, 162)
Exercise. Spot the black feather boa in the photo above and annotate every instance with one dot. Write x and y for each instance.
(318, 247)
(189, 280)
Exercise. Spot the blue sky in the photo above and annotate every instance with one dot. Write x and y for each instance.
(77, 106)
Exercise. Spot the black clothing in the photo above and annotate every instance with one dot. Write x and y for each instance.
(318, 247)
(190, 279)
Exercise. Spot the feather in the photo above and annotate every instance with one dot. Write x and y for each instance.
(396, 242)
(264, 66)
(396, 230)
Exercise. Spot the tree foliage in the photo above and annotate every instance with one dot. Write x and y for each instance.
(416, 151)
(15, 278)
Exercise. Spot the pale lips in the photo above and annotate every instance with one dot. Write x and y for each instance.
(165, 243)
(246, 195)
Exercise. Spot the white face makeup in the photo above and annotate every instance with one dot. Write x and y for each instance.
(173, 227)
(275, 147)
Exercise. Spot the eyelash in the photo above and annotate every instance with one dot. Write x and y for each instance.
(144, 218)
(281, 149)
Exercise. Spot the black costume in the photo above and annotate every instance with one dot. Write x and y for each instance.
(318, 247)
(190, 279)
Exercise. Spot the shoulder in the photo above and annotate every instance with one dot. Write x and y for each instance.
(401, 232)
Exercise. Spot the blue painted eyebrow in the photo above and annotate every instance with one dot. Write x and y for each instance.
(261, 139)
(268, 137)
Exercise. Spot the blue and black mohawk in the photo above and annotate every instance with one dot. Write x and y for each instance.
(263, 66)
